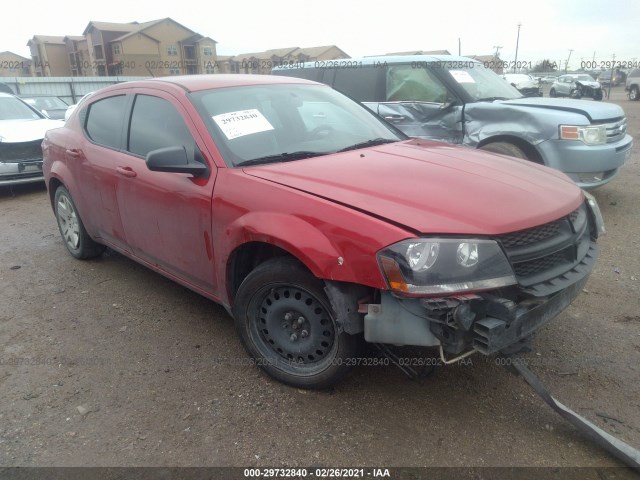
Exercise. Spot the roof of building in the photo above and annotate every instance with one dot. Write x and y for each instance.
(46, 39)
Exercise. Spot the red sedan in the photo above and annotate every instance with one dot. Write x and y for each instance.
(315, 223)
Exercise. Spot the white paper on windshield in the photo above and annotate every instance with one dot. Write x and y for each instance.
(241, 123)
(462, 76)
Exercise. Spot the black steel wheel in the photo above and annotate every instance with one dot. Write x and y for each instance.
(634, 94)
(288, 326)
(76, 239)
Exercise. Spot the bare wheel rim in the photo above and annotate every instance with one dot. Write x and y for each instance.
(293, 329)
(68, 222)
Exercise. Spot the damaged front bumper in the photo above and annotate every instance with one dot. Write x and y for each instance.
(12, 173)
(551, 262)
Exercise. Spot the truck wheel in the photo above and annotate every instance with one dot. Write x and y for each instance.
(76, 239)
(504, 148)
(287, 325)
(633, 93)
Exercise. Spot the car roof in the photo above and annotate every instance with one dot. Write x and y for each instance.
(195, 83)
(388, 59)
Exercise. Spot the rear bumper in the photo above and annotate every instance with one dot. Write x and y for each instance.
(13, 173)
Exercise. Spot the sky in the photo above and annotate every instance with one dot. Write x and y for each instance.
(549, 28)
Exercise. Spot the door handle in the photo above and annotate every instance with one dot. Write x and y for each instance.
(394, 118)
(73, 152)
(126, 172)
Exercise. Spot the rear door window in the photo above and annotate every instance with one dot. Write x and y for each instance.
(105, 119)
(361, 83)
(408, 84)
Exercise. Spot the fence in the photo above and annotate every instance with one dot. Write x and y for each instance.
(70, 89)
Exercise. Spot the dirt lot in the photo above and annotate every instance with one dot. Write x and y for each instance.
(106, 363)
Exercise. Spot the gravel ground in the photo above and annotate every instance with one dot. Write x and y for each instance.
(105, 363)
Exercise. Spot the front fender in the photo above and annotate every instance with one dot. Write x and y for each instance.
(293, 234)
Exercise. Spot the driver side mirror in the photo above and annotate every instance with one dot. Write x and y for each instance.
(175, 160)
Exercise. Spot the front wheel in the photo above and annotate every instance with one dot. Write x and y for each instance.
(287, 325)
(552, 93)
(505, 148)
(76, 239)
(598, 95)
(634, 94)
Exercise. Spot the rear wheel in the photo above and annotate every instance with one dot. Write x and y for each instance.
(288, 326)
(76, 239)
(505, 148)
(634, 94)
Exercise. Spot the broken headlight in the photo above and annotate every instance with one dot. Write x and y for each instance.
(436, 266)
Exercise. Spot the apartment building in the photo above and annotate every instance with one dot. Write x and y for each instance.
(14, 65)
(49, 56)
(156, 48)
(263, 62)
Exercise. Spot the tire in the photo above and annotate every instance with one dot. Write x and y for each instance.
(598, 95)
(575, 93)
(287, 325)
(634, 94)
(552, 93)
(505, 148)
(75, 237)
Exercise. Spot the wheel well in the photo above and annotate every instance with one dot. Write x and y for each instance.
(246, 258)
(529, 150)
(54, 183)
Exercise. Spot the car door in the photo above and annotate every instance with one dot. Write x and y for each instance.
(565, 85)
(91, 155)
(419, 103)
(166, 216)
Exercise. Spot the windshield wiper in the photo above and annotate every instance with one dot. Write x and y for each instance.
(368, 143)
(280, 157)
(491, 99)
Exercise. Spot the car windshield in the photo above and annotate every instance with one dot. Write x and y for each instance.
(46, 103)
(13, 109)
(276, 123)
(483, 84)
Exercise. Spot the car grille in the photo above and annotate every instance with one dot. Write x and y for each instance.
(549, 257)
(616, 130)
(21, 151)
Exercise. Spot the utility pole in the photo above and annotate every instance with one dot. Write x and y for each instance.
(517, 43)
(568, 58)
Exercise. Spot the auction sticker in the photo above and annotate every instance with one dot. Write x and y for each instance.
(462, 76)
(241, 123)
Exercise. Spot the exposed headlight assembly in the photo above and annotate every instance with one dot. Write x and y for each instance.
(591, 135)
(436, 266)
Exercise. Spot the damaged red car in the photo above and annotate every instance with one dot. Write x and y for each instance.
(316, 224)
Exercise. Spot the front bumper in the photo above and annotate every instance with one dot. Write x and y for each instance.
(590, 166)
(13, 173)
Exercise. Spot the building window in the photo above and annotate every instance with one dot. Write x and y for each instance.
(116, 49)
(172, 50)
(207, 51)
(210, 69)
(174, 71)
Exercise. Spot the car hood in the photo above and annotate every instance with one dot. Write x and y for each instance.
(592, 110)
(26, 130)
(431, 187)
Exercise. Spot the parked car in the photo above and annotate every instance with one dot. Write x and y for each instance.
(525, 84)
(71, 108)
(52, 107)
(632, 84)
(317, 224)
(576, 85)
(604, 78)
(457, 100)
(22, 129)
